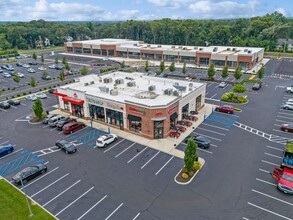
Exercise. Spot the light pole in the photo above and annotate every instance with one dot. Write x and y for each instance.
(27, 202)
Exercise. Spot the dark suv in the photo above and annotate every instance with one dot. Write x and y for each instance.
(60, 124)
(4, 105)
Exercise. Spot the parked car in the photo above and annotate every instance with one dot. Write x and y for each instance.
(53, 121)
(4, 105)
(19, 64)
(7, 75)
(29, 173)
(42, 68)
(287, 127)
(33, 63)
(3, 67)
(106, 139)
(68, 72)
(1, 70)
(9, 67)
(59, 67)
(287, 106)
(72, 127)
(66, 146)
(61, 123)
(46, 119)
(26, 65)
(21, 75)
(6, 149)
(222, 85)
(31, 70)
(52, 90)
(201, 141)
(31, 97)
(52, 66)
(256, 86)
(225, 108)
(13, 102)
(41, 95)
(46, 77)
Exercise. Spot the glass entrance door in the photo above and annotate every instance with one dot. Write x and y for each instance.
(158, 129)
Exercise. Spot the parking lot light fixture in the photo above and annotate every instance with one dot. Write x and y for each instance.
(27, 202)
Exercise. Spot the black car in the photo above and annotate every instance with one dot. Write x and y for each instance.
(61, 123)
(19, 64)
(46, 120)
(52, 90)
(13, 102)
(66, 146)
(201, 141)
(4, 105)
(33, 63)
(29, 173)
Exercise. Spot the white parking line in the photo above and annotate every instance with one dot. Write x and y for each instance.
(283, 113)
(211, 131)
(245, 218)
(260, 180)
(210, 84)
(23, 104)
(274, 148)
(60, 132)
(114, 211)
(274, 213)
(265, 171)
(40, 178)
(53, 129)
(124, 150)
(279, 116)
(207, 136)
(277, 125)
(137, 155)
(61, 193)
(215, 126)
(281, 121)
(136, 216)
(11, 153)
(49, 185)
(272, 155)
(213, 96)
(4, 142)
(73, 202)
(46, 126)
(113, 146)
(213, 145)
(78, 131)
(150, 159)
(13, 106)
(264, 161)
(272, 197)
(278, 131)
(209, 152)
(164, 165)
(3, 109)
(92, 207)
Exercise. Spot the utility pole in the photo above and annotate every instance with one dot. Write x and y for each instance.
(27, 202)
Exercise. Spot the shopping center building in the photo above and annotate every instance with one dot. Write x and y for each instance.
(246, 57)
(140, 104)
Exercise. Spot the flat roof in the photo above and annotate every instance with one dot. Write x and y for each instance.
(135, 94)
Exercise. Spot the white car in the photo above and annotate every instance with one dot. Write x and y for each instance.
(26, 65)
(42, 68)
(290, 100)
(106, 139)
(7, 75)
(41, 95)
(31, 70)
(222, 85)
(31, 97)
(20, 75)
(52, 66)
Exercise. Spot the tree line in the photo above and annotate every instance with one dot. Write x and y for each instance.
(261, 31)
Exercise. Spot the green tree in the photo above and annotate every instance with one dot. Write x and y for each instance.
(237, 75)
(84, 71)
(16, 78)
(33, 82)
(122, 65)
(239, 88)
(261, 72)
(172, 67)
(42, 59)
(56, 61)
(64, 60)
(184, 68)
(61, 75)
(190, 154)
(34, 56)
(45, 74)
(225, 72)
(211, 72)
(162, 66)
(146, 68)
(7, 57)
(38, 108)
(67, 66)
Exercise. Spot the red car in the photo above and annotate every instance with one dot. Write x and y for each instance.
(188, 123)
(287, 127)
(225, 108)
(175, 134)
(285, 179)
(72, 127)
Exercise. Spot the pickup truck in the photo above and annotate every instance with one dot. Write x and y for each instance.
(284, 173)
(289, 89)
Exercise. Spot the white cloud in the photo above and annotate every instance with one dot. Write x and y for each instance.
(175, 4)
(223, 9)
(282, 11)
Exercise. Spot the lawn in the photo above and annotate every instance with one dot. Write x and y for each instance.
(39, 50)
(13, 205)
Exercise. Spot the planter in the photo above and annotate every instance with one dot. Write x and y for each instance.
(35, 120)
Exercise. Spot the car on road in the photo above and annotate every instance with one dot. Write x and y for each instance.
(29, 173)
(41, 95)
(256, 86)
(73, 127)
(46, 77)
(52, 66)
(106, 139)
(287, 127)
(61, 123)
(53, 121)
(52, 90)
(201, 141)
(225, 108)
(33, 63)
(13, 102)
(4, 105)
(26, 65)
(42, 68)
(31, 70)
(7, 75)
(222, 85)
(31, 97)
(66, 146)
(46, 119)
(21, 75)
(287, 106)
(19, 64)
(6, 149)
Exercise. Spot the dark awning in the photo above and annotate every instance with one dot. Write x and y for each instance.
(133, 118)
(174, 116)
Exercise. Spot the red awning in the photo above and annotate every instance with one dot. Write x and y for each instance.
(59, 94)
(73, 100)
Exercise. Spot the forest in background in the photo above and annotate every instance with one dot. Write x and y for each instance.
(261, 31)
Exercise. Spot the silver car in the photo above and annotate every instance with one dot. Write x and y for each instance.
(31, 70)
(222, 85)
(7, 75)
(54, 120)
(41, 95)
(288, 106)
(31, 97)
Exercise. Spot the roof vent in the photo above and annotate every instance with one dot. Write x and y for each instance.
(92, 82)
(201, 49)
(176, 93)
(135, 45)
(228, 49)
(148, 45)
(245, 50)
(119, 81)
(173, 46)
(180, 88)
(159, 46)
(131, 84)
(180, 47)
(195, 48)
(104, 89)
(129, 78)
(234, 49)
(86, 84)
(152, 88)
(168, 91)
(249, 51)
(108, 80)
(215, 49)
(114, 92)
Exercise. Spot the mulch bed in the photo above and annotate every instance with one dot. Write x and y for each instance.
(35, 120)
(180, 179)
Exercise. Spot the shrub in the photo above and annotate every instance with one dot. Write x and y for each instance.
(30, 92)
(40, 89)
(184, 176)
(13, 88)
(237, 109)
(228, 97)
(24, 93)
(8, 89)
(196, 166)
(239, 88)
(18, 95)
(191, 173)
(241, 99)
(12, 96)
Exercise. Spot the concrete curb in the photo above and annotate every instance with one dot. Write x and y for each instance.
(202, 161)
(34, 123)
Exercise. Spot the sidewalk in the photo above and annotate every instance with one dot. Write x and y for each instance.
(167, 145)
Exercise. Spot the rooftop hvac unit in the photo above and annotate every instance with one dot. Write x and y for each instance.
(135, 45)
(249, 51)
(92, 82)
(180, 88)
(176, 93)
(100, 79)
(152, 88)
(195, 48)
(113, 92)
(173, 46)
(131, 84)
(184, 48)
(148, 45)
(215, 49)
(168, 91)
(228, 49)
(180, 47)
(176, 84)
(245, 50)
(201, 49)
(190, 85)
(104, 89)
(108, 80)
(86, 84)
(119, 81)
(234, 49)
(159, 45)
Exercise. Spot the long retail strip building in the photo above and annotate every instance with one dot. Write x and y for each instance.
(147, 106)
(246, 57)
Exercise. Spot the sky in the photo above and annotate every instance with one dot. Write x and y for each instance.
(113, 10)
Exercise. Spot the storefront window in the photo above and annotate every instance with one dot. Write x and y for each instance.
(134, 123)
(111, 53)
(104, 52)
(87, 50)
(97, 112)
(69, 49)
(77, 110)
(173, 119)
(185, 110)
(158, 129)
(204, 61)
(66, 106)
(115, 118)
(198, 102)
(97, 51)
(78, 50)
